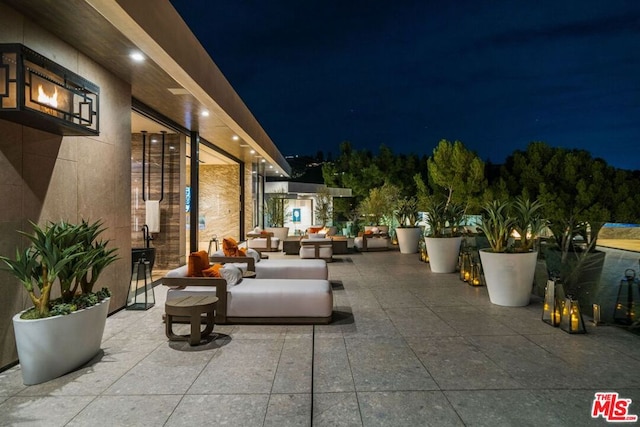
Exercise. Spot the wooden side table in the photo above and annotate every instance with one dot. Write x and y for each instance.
(191, 307)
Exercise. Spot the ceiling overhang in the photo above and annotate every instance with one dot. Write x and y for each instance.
(177, 78)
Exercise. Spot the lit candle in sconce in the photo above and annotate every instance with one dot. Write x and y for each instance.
(574, 321)
(596, 314)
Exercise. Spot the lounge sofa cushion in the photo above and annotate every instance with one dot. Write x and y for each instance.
(292, 269)
(281, 268)
(280, 298)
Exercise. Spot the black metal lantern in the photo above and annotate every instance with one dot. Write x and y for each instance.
(571, 320)
(37, 92)
(625, 310)
(141, 296)
(476, 278)
(551, 306)
(465, 265)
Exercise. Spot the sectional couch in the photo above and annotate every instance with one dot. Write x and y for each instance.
(281, 292)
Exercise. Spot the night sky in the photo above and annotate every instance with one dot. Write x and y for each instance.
(495, 75)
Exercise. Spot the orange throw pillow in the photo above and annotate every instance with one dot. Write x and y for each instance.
(230, 248)
(213, 271)
(198, 261)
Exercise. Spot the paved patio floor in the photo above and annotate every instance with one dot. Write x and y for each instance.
(407, 348)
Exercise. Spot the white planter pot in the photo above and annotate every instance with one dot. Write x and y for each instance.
(443, 253)
(509, 276)
(51, 347)
(408, 239)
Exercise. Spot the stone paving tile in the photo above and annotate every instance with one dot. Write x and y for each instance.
(456, 364)
(385, 364)
(336, 410)
(245, 366)
(233, 410)
(47, 411)
(407, 408)
(293, 374)
(127, 410)
(332, 372)
(503, 408)
(288, 410)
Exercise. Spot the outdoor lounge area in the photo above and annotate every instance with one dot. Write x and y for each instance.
(406, 347)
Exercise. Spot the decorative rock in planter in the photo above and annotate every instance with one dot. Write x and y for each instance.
(53, 346)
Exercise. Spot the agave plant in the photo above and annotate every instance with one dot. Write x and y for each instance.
(444, 219)
(497, 225)
(528, 221)
(407, 212)
(501, 218)
(61, 251)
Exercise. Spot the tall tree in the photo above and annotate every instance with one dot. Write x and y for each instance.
(459, 172)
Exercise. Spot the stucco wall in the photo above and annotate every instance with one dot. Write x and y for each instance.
(45, 177)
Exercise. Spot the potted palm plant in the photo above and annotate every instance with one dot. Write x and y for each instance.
(509, 264)
(58, 335)
(444, 235)
(408, 233)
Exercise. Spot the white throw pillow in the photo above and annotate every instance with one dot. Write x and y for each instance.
(232, 274)
(253, 253)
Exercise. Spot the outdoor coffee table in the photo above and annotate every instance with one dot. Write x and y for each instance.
(191, 307)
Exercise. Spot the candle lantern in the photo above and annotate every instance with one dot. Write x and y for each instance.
(571, 320)
(476, 278)
(465, 265)
(596, 314)
(625, 312)
(141, 296)
(551, 306)
(422, 251)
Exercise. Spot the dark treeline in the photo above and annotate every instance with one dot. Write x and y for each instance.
(570, 182)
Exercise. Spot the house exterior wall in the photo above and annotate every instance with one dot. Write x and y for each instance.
(46, 177)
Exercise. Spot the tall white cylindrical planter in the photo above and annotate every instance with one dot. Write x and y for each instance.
(408, 239)
(443, 253)
(509, 276)
(54, 346)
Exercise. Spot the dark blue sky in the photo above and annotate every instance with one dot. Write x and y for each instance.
(495, 75)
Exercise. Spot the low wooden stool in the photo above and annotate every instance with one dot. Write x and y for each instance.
(191, 307)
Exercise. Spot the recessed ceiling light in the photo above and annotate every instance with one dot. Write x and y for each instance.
(264, 161)
(253, 151)
(205, 113)
(235, 137)
(270, 166)
(137, 56)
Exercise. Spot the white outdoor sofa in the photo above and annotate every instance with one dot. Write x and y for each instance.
(259, 300)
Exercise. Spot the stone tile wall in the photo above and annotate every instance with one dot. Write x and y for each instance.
(45, 177)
